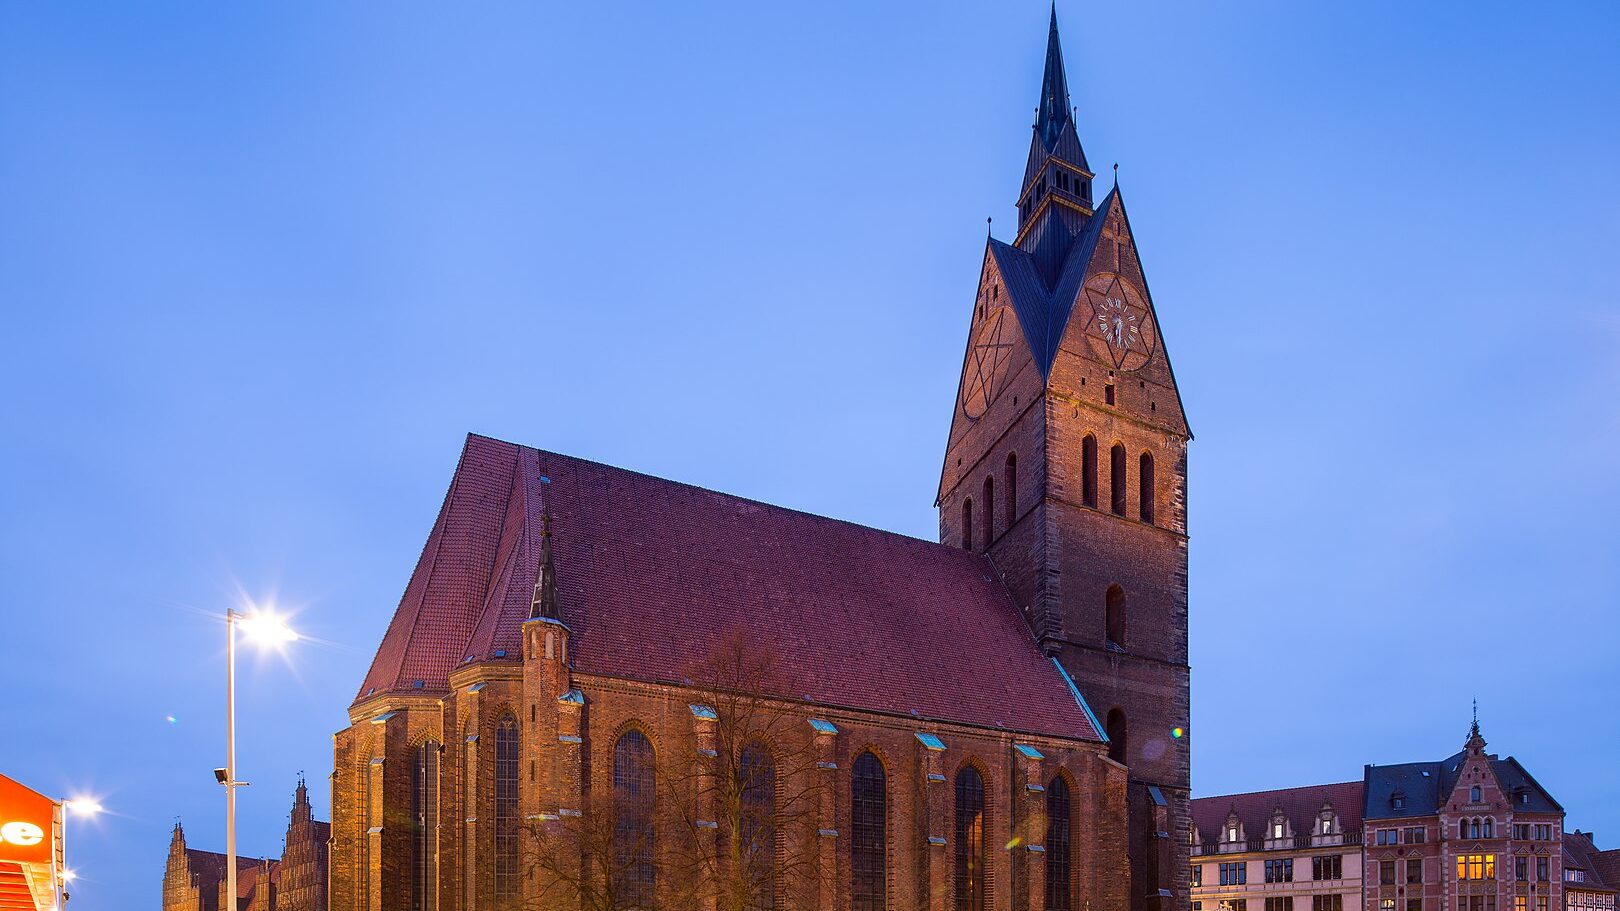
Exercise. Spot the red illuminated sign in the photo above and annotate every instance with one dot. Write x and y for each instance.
(25, 823)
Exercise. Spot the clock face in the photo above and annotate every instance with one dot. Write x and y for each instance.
(987, 361)
(1121, 329)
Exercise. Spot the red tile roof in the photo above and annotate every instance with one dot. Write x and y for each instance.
(1300, 805)
(651, 572)
(1602, 867)
(209, 867)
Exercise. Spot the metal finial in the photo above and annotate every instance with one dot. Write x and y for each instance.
(987, 222)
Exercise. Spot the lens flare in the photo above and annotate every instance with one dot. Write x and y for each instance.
(1177, 733)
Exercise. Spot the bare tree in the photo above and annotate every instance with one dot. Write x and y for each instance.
(749, 813)
(592, 860)
(736, 807)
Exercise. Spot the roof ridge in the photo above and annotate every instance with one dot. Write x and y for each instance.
(720, 493)
(1303, 787)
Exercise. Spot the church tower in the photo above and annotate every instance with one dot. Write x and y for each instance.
(1067, 465)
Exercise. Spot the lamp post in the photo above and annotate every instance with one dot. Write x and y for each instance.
(265, 629)
(76, 806)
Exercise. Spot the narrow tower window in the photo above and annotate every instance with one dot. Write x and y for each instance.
(969, 840)
(1116, 737)
(1144, 484)
(989, 511)
(967, 524)
(868, 810)
(1116, 478)
(1088, 470)
(1114, 616)
(1012, 489)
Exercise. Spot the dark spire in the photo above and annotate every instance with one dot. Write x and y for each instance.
(1054, 110)
(1054, 140)
(545, 579)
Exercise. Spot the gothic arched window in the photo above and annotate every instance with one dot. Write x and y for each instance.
(1114, 616)
(756, 830)
(868, 810)
(425, 826)
(1116, 736)
(1088, 470)
(1116, 478)
(970, 854)
(1011, 493)
(989, 511)
(1058, 858)
(633, 800)
(469, 805)
(1144, 484)
(967, 524)
(506, 808)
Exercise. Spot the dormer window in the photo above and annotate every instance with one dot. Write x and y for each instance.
(1231, 833)
(1398, 802)
(1276, 830)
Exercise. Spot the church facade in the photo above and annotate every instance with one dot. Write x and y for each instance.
(607, 690)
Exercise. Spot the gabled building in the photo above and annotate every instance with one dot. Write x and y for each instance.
(194, 880)
(545, 667)
(1294, 849)
(1473, 832)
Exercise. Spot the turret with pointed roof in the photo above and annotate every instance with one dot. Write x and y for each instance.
(1057, 178)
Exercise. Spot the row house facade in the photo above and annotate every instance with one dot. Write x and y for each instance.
(1295, 849)
(1473, 832)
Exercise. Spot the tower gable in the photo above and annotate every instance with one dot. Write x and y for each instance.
(1001, 373)
(1108, 294)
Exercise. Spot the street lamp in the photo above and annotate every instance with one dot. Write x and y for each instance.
(75, 806)
(263, 629)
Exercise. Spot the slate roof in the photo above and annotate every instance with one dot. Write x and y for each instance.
(1300, 805)
(1426, 785)
(1044, 276)
(1602, 867)
(651, 572)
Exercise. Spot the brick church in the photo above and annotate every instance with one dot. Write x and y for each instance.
(194, 880)
(608, 690)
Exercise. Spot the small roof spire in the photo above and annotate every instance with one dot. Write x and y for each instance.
(1476, 741)
(545, 581)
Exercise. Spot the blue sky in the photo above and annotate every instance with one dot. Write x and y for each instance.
(262, 267)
